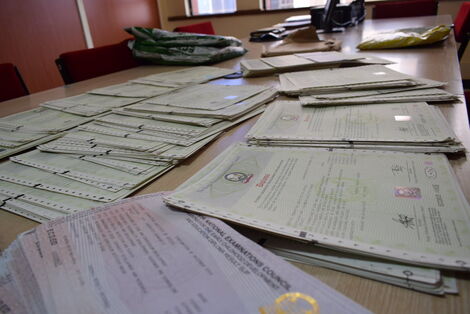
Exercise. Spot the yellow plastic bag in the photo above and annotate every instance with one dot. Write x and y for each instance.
(405, 38)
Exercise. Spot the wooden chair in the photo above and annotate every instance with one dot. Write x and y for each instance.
(85, 64)
(467, 102)
(404, 9)
(199, 28)
(462, 27)
(11, 82)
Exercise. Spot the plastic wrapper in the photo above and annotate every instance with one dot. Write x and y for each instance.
(174, 48)
(405, 38)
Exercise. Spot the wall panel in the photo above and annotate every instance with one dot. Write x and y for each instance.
(34, 33)
(107, 18)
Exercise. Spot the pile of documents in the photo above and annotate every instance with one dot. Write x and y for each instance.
(399, 207)
(43, 186)
(138, 256)
(330, 81)
(153, 131)
(101, 100)
(184, 77)
(412, 127)
(428, 280)
(377, 96)
(304, 61)
(119, 142)
(27, 129)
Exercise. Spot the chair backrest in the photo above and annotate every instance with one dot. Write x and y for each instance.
(462, 27)
(11, 82)
(467, 101)
(84, 64)
(404, 9)
(199, 28)
(462, 22)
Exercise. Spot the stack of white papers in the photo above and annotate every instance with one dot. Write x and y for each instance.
(120, 149)
(208, 96)
(413, 277)
(141, 134)
(378, 96)
(89, 104)
(344, 79)
(184, 77)
(232, 112)
(30, 128)
(399, 206)
(132, 90)
(164, 261)
(38, 204)
(73, 181)
(413, 127)
(304, 61)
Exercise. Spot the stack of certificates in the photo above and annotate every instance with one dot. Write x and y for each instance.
(143, 132)
(43, 186)
(29, 128)
(428, 280)
(413, 94)
(370, 77)
(412, 127)
(404, 208)
(184, 77)
(101, 100)
(303, 61)
(138, 256)
(116, 153)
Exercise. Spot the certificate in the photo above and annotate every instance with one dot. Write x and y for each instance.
(138, 256)
(400, 206)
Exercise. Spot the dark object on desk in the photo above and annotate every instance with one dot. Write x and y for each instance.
(408, 8)
(271, 37)
(199, 28)
(85, 64)
(173, 48)
(267, 34)
(235, 75)
(334, 16)
(12, 83)
(462, 27)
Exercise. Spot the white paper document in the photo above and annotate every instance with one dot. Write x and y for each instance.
(404, 125)
(184, 77)
(228, 113)
(304, 61)
(417, 95)
(343, 79)
(90, 105)
(413, 277)
(131, 90)
(401, 206)
(41, 120)
(208, 96)
(138, 256)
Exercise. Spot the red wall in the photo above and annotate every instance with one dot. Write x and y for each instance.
(32, 35)
(35, 32)
(107, 18)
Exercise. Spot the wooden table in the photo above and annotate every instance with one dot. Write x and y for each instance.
(437, 62)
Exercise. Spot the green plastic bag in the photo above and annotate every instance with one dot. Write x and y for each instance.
(405, 38)
(174, 48)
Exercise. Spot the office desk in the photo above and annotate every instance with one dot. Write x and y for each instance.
(437, 62)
